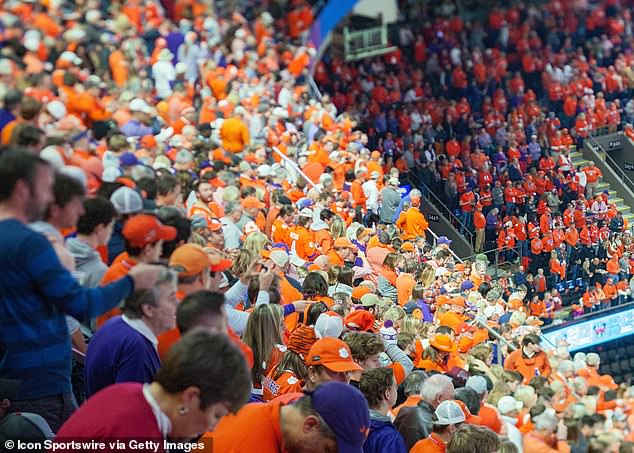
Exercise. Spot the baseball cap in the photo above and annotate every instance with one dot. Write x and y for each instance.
(361, 320)
(466, 285)
(508, 404)
(332, 353)
(410, 306)
(279, 257)
(191, 258)
(306, 212)
(444, 240)
(213, 224)
(360, 291)
(329, 324)
(469, 417)
(128, 160)
(126, 200)
(408, 247)
(144, 229)
(449, 413)
(301, 340)
(252, 202)
(345, 410)
(139, 105)
(343, 242)
(370, 300)
(443, 343)
(477, 383)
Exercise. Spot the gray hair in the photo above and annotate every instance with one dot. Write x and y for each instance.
(232, 207)
(415, 193)
(414, 382)
(434, 386)
(565, 366)
(546, 421)
(132, 305)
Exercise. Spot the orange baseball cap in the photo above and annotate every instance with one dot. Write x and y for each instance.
(191, 258)
(443, 343)
(148, 141)
(460, 301)
(332, 353)
(219, 264)
(213, 224)
(408, 247)
(361, 320)
(465, 344)
(469, 418)
(360, 291)
(343, 243)
(252, 202)
(144, 229)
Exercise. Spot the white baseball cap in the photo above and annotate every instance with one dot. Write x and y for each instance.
(329, 324)
(126, 200)
(508, 404)
(139, 105)
(477, 383)
(449, 413)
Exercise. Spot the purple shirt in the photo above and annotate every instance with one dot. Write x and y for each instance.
(133, 128)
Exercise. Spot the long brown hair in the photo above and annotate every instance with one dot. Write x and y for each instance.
(261, 335)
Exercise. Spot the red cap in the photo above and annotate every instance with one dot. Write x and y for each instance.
(144, 229)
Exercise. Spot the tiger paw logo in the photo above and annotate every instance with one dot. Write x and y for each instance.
(343, 353)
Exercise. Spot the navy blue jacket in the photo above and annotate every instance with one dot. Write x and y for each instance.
(383, 437)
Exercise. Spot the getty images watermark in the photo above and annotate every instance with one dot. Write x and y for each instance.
(111, 445)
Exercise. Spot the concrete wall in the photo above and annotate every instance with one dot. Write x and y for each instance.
(443, 227)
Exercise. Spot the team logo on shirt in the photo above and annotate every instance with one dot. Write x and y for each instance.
(343, 353)
(292, 380)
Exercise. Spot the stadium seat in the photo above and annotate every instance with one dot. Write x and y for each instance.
(570, 284)
(561, 287)
(579, 282)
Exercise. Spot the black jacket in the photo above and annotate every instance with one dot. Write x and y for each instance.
(415, 423)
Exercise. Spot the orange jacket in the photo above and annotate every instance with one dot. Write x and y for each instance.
(413, 223)
(529, 368)
(532, 443)
(234, 134)
(117, 270)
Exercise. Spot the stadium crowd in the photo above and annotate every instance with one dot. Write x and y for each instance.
(485, 115)
(166, 173)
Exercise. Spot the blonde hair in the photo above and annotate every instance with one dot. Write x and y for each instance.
(427, 275)
(394, 314)
(337, 227)
(500, 389)
(242, 262)
(255, 242)
(411, 324)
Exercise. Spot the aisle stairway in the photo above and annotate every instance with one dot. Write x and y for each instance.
(577, 159)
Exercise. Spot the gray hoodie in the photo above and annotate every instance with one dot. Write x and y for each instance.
(88, 261)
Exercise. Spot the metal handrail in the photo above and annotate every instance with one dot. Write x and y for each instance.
(314, 88)
(435, 236)
(440, 205)
(495, 334)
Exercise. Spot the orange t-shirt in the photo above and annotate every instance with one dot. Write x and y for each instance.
(117, 270)
(431, 444)
(262, 422)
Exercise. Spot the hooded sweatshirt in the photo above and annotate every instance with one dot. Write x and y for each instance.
(383, 436)
(88, 261)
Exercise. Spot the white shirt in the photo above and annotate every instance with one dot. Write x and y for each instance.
(164, 73)
(512, 432)
(371, 191)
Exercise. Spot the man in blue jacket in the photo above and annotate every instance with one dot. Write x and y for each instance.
(36, 291)
(380, 389)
